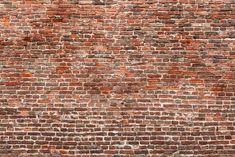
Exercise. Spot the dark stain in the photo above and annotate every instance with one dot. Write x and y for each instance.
(99, 2)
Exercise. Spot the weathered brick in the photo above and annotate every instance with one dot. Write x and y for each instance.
(117, 78)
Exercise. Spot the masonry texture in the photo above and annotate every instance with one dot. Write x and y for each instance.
(117, 78)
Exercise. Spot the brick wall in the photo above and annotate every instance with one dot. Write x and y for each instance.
(117, 78)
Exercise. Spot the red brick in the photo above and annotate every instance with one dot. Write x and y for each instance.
(117, 78)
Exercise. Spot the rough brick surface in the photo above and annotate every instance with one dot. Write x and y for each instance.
(117, 78)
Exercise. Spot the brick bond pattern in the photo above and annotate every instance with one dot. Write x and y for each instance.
(117, 78)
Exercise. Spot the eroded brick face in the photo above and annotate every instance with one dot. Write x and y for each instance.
(117, 78)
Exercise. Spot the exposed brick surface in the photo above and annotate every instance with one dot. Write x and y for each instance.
(117, 78)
